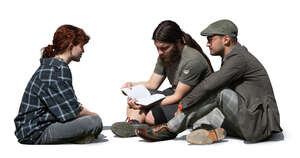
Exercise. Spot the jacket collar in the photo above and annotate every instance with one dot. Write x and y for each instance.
(234, 49)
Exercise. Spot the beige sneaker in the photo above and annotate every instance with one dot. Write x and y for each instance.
(203, 136)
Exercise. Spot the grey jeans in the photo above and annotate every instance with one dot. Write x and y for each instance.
(71, 131)
(218, 110)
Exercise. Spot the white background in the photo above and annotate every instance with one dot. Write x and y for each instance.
(121, 50)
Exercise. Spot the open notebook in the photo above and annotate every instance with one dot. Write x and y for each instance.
(142, 95)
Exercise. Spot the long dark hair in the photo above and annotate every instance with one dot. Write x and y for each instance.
(168, 31)
(63, 37)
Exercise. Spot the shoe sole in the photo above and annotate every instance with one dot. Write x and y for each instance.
(124, 129)
(143, 133)
(200, 136)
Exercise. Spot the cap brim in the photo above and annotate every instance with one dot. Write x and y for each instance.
(207, 32)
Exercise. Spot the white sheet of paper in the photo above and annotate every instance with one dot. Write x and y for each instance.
(150, 99)
(137, 92)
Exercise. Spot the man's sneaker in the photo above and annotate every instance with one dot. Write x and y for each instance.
(203, 136)
(126, 129)
(156, 133)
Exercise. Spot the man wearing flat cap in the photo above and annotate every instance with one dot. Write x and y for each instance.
(241, 90)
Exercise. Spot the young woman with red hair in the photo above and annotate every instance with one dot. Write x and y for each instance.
(50, 112)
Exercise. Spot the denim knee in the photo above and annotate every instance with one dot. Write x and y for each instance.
(226, 96)
(96, 124)
(226, 93)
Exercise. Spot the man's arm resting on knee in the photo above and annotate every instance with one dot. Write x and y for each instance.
(232, 69)
(181, 90)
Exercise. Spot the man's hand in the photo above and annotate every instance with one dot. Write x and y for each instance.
(127, 85)
(131, 103)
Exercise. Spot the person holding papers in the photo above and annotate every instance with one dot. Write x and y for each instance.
(182, 61)
(241, 90)
(142, 95)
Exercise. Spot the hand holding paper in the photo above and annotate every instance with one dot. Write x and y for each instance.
(142, 95)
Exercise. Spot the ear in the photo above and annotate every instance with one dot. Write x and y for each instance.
(226, 40)
(70, 47)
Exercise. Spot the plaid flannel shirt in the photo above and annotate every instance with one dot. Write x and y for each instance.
(48, 98)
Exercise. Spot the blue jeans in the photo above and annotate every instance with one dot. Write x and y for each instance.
(71, 131)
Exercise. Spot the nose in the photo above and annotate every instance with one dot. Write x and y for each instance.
(160, 52)
(208, 44)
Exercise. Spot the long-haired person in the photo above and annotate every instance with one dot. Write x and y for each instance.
(182, 61)
(50, 112)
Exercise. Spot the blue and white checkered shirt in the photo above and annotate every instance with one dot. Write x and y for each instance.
(48, 98)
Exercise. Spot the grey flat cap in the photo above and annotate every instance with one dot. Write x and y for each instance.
(221, 27)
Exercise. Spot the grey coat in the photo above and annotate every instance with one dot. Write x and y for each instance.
(258, 115)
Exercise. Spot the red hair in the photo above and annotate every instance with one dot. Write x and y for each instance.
(65, 36)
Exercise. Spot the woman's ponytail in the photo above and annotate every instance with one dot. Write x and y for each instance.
(65, 36)
(48, 52)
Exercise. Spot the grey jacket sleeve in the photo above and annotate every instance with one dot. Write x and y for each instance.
(233, 68)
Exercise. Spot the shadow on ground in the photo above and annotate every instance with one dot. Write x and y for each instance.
(102, 138)
(275, 137)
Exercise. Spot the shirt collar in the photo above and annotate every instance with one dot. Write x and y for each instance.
(53, 61)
